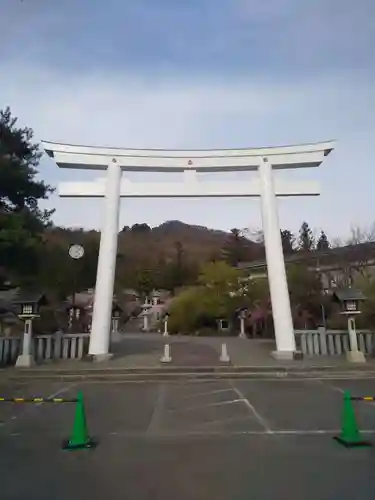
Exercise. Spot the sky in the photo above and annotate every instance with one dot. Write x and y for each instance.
(199, 74)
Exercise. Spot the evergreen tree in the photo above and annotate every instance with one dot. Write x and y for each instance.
(287, 241)
(22, 222)
(306, 238)
(178, 265)
(322, 243)
(234, 250)
(145, 282)
(180, 271)
(140, 228)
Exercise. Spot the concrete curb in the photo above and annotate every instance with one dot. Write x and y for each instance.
(170, 369)
(171, 373)
(191, 377)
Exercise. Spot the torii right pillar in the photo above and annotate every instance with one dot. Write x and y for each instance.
(281, 309)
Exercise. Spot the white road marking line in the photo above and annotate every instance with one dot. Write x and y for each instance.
(28, 409)
(156, 418)
(260, 419)
(224, 433)
(219, 433)
(223, 422)
(331, 386)
(201, 394)
(342, 391)
(181, 386)
(176, 382)
(202, 407)
(293, 432)
(60, 391)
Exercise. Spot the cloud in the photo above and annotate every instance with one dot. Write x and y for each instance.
(281, 37)
(128, 109)
(213, 74)
(310, 36)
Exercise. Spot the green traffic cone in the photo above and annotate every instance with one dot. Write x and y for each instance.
(350, 435)
(80, 438)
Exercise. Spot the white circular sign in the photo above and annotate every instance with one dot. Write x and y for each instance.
(76, 251)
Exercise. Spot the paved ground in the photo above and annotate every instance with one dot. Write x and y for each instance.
(134, 350)
(147, 349)
(230, 440)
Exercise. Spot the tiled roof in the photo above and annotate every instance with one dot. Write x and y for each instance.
(352, 253)
(28, 295)
(350, 294)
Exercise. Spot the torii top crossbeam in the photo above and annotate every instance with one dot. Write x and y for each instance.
(214, 160)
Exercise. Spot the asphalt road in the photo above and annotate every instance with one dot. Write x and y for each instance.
(254, 439)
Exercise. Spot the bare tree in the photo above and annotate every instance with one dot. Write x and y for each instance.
(357, 236)
(360, 235)
(358, 251)
(256, 235)
(337, 242)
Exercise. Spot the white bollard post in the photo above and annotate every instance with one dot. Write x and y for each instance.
(224, 356)
(166, 358)
(145, 322)
(165, 334)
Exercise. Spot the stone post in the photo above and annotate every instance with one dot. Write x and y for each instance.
(354, 355)
(242, 328)
(26, 359)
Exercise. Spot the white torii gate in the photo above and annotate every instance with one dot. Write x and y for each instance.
(116, 160)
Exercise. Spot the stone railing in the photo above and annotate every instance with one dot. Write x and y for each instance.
(324, 342)
(45, 347)
(9, 349)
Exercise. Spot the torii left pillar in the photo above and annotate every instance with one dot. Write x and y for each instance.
(105, 278)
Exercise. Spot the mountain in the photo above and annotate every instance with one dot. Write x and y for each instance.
(170, 253)
(198, 242)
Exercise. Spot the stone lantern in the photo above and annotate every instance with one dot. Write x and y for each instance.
(116, 315)
(350, 300)
(27, 304)
(146, 310)
(242, 314)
